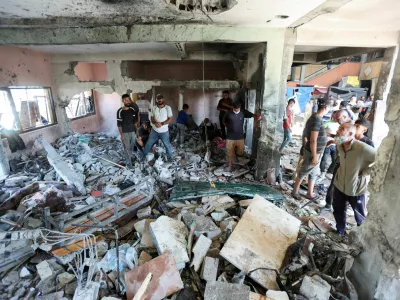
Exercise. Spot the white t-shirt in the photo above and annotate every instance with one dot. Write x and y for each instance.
(161, 115)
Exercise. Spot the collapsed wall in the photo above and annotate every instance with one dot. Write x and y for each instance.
(376, 271)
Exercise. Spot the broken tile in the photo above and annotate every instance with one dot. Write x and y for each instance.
(261, 238)
(165, 281)
(210, 269)
(199, 251)
(315, 288)
(222, 290)
(170, 235)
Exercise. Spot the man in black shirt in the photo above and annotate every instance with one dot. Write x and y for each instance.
(128, 118)
(234, 121)
(314, 133)
(143, 135)
(224, 107)
(362, 127)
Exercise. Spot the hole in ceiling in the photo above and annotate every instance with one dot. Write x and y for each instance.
(281, 16)
(208, 6)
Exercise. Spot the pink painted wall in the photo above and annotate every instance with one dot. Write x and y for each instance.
(23, 67)
(336, 74)
(86, 71)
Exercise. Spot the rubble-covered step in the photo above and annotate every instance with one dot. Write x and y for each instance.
(190, 190)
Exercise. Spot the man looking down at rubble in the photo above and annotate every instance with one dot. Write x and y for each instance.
(315, 134)
(161, 116)
(234, 121)
(128, 119)
(224, 107)
(351, 180)
(143, 135)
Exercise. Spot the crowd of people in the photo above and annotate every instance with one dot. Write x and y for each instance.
(344, 138)
(142, 136)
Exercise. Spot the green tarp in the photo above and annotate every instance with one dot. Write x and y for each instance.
(190, 190)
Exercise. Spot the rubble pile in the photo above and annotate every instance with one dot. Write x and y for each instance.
(77, 224)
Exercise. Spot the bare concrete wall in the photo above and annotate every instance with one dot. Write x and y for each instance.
(22, 67)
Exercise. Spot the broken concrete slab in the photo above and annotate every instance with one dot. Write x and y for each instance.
(210, 269)
(165, 281)
(64, 278)
(62, 169)
(170, 235)
(222, 290)
(261, 238)
(315, 288)
(277, 295)
(89, 292)
(204, 225)
(200, 251)
(255, 296)
(146, 240)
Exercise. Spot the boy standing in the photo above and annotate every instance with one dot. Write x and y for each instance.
(181, 122)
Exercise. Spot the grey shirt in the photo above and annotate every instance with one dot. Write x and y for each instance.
(315, 123)
(354, 162)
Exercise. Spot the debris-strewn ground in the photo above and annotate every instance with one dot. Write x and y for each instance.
(179, 229)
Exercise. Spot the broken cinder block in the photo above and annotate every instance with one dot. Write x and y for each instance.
(210, 269)
(170, 235)
(204, 225)
(222, 290)
(315, 288)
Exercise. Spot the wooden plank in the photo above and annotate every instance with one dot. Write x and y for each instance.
(68, 249)
(260, 240)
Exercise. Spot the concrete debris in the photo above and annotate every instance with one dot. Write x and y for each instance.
(144, 258)
(204, 225)
(277, 295)
(165, 280)
(146, 241)
(200, 251)
(210, 269)
(315, 288)
(170, 235)
(144, 212)
(216, 290)
(64, 278)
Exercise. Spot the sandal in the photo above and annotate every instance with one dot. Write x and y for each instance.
(297, 196)
(312, 198)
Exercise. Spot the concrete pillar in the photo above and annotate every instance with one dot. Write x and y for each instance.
(4, 164)
(293, 74)
(375, 272)
(277, 66)
(302, 73)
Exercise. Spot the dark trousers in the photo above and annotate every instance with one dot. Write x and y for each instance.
(329, 193)
(329, 151)
(223, 129)
(340, 206)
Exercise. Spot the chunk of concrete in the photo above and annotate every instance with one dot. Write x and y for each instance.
(53, 296)
(144, 258)
(10, 278)
(24, 273)
(64, 278)
(261, 238)
(89, 292)
(144, 212)
(165, 281)
(222, 290)
(147, 241)
(44, 270)
(62, 169)
(210, 269)
(200, 251)
(315, 288)
(139, 226)
(277, 295)
(15, 181)
(170, 235)
(204, 225)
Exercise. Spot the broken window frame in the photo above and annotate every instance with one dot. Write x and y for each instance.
(92, 113)
(49, 104)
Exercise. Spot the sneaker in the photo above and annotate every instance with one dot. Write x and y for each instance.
(325, 209)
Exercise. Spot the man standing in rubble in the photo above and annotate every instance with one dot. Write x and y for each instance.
(234, 121)
(287, 125)
(351, 180)
(225, 105)
(161, 116)
(128, 119)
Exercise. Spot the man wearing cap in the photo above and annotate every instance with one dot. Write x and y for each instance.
(362, 127)
(225, 105)
(161, 116)
(234, 121)
(315, 134)
(128, 119)
(351, 180)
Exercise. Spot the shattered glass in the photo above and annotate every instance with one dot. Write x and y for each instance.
(190, 190)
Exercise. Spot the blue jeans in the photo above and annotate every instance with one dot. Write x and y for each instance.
(287, 137)
(329, 151)
(153, 138)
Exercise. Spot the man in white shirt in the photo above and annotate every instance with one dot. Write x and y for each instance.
(160, 117)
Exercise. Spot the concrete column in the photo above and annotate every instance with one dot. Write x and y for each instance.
(302, 73)
(277, 66)
(375, 272)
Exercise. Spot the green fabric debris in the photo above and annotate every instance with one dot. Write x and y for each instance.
(190, 190)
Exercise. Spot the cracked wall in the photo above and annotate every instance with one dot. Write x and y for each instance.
(376, 271)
